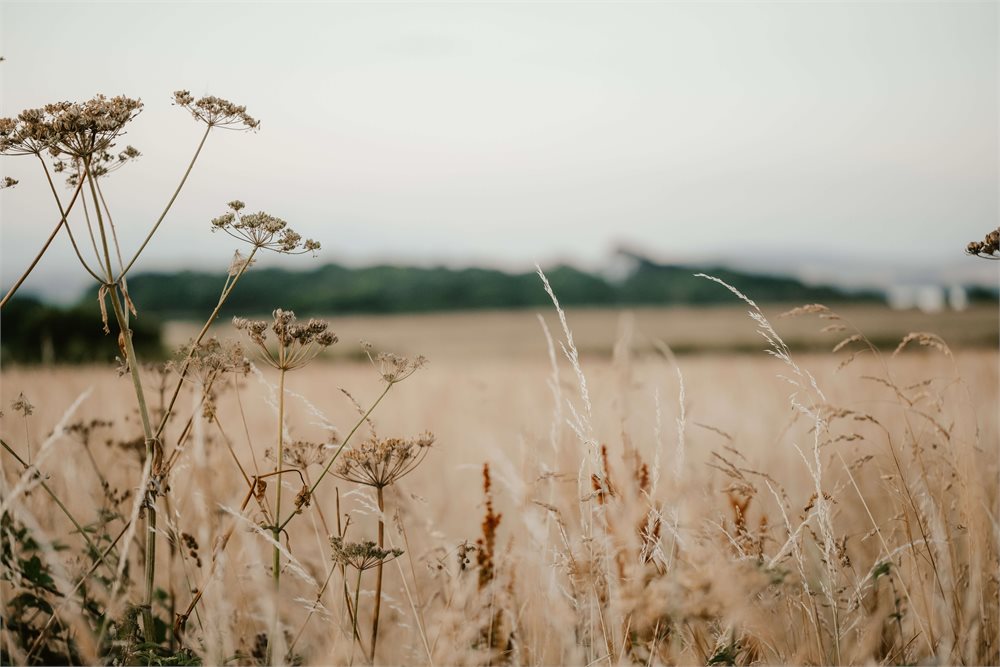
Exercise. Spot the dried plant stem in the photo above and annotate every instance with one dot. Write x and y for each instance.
(378, 571)
(227, 290)
(31, 267)
(133, 365)
(276, 530)
(59, 503)
(170, 203)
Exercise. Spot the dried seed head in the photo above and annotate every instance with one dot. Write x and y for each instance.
(23, 405)
(262, 230)
(216, 112)
(361, 555)
(298, 344)
(988, 248)
(391, 367)
(8, 182)
(380, 462)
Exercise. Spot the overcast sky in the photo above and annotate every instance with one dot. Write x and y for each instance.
(509, 133)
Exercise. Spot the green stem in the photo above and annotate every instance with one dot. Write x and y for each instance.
(170, 203)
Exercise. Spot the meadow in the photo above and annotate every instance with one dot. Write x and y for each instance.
(671, 516)
(807, 487)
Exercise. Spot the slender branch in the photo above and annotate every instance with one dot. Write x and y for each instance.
(378, 572)
(69, 229)
(170, 203)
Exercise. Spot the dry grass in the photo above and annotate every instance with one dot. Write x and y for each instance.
(625, 530)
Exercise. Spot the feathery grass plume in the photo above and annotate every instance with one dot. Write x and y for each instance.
(216, 112)
(262, 230)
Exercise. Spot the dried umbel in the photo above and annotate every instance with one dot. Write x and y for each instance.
(29, 133)
(262, 230)
(216, 112)
(988, 248)
(391, 367)
(101, 164)
(297, 344)
(302, 453)
(211, 358)
(361, 555)
(380, 462)
(86, 129)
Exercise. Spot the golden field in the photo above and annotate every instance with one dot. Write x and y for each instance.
(717, 508)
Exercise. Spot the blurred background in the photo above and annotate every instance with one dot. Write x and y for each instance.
(843, 153)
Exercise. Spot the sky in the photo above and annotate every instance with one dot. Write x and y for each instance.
(808, 134)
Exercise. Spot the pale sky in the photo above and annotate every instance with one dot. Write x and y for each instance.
(509, 133)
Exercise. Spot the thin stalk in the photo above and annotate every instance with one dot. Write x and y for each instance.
(10, 293)
(169, 204)
(59, 503)
(276, 530)
(69, 230)
(364, 418)
(133, 364)
(231, 284)
(378, 573)
(357, 595)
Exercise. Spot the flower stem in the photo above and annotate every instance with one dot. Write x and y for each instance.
(378, 572)
(170, 203)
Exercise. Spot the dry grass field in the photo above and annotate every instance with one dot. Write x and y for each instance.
(639, 508)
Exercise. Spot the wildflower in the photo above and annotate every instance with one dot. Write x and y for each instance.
(210, 358)
(302, 453)
(82, 130)
(380, 462)
(391, 367)
(216, 112)
(262, 230)
(361, 555)
(298, 344)
(29, 133)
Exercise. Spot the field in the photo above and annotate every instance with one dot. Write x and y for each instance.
(711, 508)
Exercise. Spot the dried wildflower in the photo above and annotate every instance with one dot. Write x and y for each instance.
(361, 555)
(211, 358)
(23, 405)
(298, 344)
(380, 462)
(8, 182)
(216, 112)
(303, 498)
(391, 367)
(988, 248)
(86, 129)
(101, 164)
(262, 230)
(30, 133)
(302, 454)
(486, 545)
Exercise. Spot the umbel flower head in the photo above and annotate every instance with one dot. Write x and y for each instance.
(85, 129)
(297, 344)
(262, 230)
(361, 555)
(211, 358)
(101, 164)
(988, 248)
(216, 112)
(380, 462)
(29, 133)
(391, 367)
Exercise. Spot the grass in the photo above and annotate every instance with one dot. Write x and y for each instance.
(703, 562)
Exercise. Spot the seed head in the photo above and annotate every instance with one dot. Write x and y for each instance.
(298, 344)
(216, 112)
(380, 462)
(391, 367)
(23, 405)
(262, 230)
(988, 248)
(8, 182)
(361, 555)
